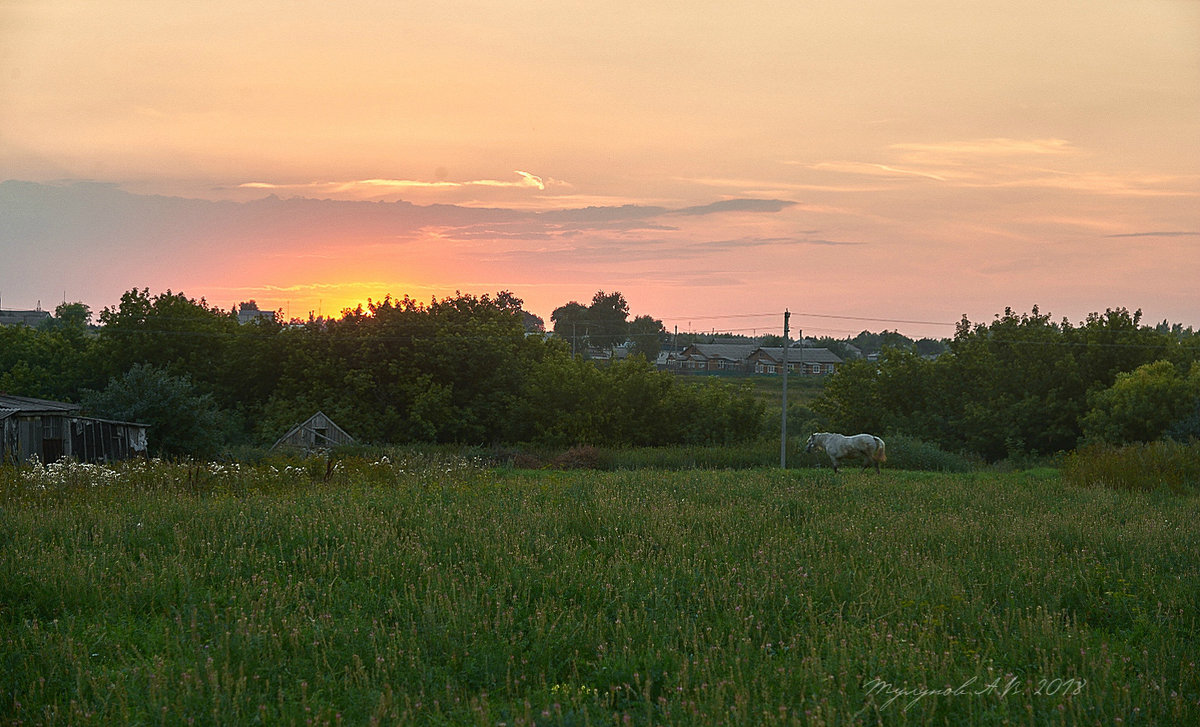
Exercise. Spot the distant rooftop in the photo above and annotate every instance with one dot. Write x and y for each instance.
(23, 317)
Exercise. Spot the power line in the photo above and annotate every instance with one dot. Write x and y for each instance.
(878, 320)
(812, 315)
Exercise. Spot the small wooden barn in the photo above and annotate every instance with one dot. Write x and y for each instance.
(316, 432)
(51, 430)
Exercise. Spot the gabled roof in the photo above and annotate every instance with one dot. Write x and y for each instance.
(797, 354)
(30, 405)
(730, 351)
(308, 423)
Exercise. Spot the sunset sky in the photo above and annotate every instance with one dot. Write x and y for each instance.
(868, 165)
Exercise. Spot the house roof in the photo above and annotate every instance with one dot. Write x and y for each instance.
(797, 354)
(730, 351)
(30, 405)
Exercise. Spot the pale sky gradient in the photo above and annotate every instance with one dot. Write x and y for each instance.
(716, 162)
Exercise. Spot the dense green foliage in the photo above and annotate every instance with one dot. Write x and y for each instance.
(1022, 385)
(463, 370)
(55, 361)
(603, 324)
(645, 333)
(183, 421)
(460, 369)
(1144, 405)
(426, 591)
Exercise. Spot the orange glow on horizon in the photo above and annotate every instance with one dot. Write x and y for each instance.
(889, 161)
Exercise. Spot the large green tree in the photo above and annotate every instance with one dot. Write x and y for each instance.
(608, 313)
(646, 332)
(1143, 405)
(452, 370)
(185, 336)
(182, 420)
(603, 323)
(56, 360)
(572, 324)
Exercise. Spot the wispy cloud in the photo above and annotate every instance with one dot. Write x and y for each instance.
(1003, 163)
(979, 162)
(311, 287)
(780, 186)
(736, 205)
(875, 170)
(741, 243)
(1172, 233)
(1089, 182)
(997, 147)
(525, 180)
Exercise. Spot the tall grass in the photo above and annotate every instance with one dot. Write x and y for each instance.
(1166, 465)
(433, 591)
(902, 453)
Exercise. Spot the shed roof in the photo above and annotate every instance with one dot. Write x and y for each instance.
(11, 405)
(319, 417)
(30, 405)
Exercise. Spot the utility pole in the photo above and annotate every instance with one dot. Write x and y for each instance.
(783, 418)
(675, 347)
(800, 363)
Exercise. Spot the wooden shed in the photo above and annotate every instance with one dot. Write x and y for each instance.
(51, 430)
(316, 432)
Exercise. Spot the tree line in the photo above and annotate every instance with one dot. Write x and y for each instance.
(1024, 384)
(460, 369)
(464, 369)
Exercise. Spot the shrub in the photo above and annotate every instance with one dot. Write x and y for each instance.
(515, 457)
(910, 453)
(584, 457)
(1152, 466)
(183, 422)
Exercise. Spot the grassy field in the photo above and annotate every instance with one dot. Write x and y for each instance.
(431, 590)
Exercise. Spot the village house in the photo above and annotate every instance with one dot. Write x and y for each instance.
(801, 360)
(715, 357)
(51, 430)
(248, 312)
(751, 359)
(29, 318)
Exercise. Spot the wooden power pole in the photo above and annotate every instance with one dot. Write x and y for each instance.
(783, 418)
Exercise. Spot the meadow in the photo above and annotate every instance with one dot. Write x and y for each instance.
(433, 589)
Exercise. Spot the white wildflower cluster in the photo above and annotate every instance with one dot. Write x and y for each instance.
(422, 465)
(67, 472)
(220, 468)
